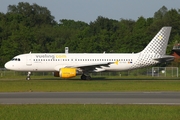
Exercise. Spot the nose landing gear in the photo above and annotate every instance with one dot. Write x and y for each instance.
(28, 76)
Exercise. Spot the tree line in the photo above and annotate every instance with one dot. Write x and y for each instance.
(31, 28)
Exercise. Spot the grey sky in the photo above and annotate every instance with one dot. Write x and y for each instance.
(89, 10)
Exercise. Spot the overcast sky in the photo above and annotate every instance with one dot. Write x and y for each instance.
(89, 10)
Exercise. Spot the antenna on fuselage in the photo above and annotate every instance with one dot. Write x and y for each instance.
(66, 50)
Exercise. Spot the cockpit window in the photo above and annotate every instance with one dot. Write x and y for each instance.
(16, 59)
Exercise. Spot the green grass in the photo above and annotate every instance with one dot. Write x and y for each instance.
(90, 86)
(89, 112)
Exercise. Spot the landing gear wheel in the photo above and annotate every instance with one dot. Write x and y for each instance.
(28, 78)
(84, 77)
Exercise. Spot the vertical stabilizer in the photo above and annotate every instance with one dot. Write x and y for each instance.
(159, 43)
(155, 51)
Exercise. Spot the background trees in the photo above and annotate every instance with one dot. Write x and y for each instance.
(26, 28)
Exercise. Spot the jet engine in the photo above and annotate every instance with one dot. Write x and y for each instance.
(66, 73)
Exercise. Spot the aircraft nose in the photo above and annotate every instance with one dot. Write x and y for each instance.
(8, 65)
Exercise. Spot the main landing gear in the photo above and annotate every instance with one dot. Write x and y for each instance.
(85, 77)
(28, 76)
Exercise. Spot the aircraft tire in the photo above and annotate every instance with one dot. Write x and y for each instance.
(83, 77)
(28, 78)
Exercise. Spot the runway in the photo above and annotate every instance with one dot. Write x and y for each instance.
(170, 98)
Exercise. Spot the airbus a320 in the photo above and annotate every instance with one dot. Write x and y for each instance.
(72, 64)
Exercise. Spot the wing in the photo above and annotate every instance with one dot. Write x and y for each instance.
(97, 67)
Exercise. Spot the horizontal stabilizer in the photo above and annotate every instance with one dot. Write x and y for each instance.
(165, 58)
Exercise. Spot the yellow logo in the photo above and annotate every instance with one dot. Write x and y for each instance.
(60, 56)
(117, 62)
(160, 37)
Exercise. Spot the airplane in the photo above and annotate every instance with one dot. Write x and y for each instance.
(68, 65)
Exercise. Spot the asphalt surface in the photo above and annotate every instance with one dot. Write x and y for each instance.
(171, 98)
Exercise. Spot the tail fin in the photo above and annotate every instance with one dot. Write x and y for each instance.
(159, 43)
(155, 51)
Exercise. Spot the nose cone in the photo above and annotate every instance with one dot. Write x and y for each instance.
(8, 66)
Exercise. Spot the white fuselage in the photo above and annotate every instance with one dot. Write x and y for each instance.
(55, 61)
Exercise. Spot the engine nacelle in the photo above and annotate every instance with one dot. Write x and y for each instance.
(66, 73)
